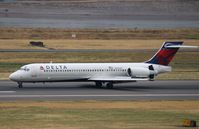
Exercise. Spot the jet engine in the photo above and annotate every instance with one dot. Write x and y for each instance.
(139, 72)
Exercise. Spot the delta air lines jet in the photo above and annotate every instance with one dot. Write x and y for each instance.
(101, 73)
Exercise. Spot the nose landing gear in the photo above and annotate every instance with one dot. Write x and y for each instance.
(20, 84)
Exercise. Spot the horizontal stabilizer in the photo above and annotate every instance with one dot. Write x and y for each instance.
(181, 46)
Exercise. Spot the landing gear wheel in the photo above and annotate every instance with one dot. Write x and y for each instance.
(20, 85)
(109, 85)
(98, 84)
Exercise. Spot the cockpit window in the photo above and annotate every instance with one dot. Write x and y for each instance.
(24, 68)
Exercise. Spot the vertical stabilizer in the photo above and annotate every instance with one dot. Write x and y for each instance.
(166, 53)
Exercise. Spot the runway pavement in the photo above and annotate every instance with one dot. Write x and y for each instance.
(156, 90)
(143, 14)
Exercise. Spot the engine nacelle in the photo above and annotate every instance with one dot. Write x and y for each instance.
(137, 72)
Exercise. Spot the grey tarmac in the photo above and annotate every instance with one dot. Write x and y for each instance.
(145, 14)
(155, 90)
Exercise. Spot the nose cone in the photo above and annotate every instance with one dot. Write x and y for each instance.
(14, 76)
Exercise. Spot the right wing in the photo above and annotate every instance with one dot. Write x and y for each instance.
(116, 78)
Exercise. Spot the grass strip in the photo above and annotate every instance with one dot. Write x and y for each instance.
(89, 44)
(97, 114)
(50, 33)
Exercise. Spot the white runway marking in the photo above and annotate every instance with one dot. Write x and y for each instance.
(122, 95)
(7, 91)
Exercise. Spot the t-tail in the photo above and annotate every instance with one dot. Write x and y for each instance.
(166, 53)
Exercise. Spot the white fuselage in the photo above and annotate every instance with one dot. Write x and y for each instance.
(55, 72)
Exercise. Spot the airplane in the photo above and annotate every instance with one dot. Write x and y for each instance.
(103, 74)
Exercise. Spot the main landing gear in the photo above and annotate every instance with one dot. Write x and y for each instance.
(98, 84)
(20, 84)
(109, 85)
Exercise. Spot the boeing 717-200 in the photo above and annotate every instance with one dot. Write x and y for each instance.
(101, 73)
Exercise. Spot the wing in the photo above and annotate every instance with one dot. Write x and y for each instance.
(116, 78)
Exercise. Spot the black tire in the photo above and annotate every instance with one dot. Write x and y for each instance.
(109, 85)
(98, 84)
(20, 85)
